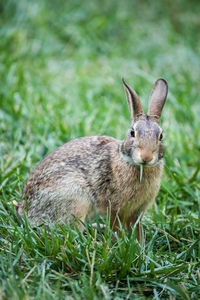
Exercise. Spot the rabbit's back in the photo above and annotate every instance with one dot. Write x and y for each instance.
(70, 178)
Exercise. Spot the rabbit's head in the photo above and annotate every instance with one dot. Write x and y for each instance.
(143, 143)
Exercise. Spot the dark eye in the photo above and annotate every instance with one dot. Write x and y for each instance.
(161, 137)
(132, 132)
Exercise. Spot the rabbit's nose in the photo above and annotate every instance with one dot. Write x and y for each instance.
(146, 156)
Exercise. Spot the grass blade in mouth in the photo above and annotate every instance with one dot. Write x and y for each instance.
(141, 172)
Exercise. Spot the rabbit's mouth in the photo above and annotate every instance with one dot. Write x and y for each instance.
(133, 161)
(146, 164)
(146, 158)
(149, 165)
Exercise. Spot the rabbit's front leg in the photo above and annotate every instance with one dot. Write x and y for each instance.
(114, 221)
(139, 231)
(127, 221)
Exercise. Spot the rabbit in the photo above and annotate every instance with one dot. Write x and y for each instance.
(101, 172)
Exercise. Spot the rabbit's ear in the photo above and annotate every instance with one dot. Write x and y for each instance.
(134, 102)
(157, 99)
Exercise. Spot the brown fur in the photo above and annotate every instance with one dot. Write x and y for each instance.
(99, 172)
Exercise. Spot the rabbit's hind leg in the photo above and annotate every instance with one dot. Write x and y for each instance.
(74, 210)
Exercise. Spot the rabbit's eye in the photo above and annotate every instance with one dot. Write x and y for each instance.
(132, 132)
(161, 137)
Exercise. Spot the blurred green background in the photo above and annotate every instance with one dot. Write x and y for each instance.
(61, 64)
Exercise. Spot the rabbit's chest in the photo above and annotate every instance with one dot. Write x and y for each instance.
(139, 195)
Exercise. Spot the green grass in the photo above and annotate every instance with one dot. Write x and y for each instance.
(61, 64)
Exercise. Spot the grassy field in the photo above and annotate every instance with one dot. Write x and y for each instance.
(61, 64)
